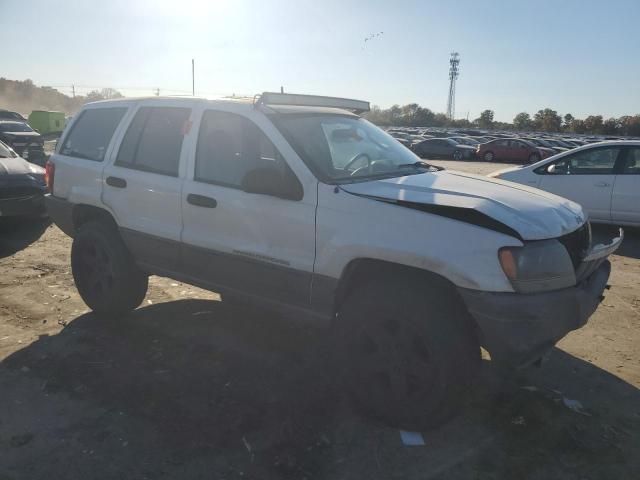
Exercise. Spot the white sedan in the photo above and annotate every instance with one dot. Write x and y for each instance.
(602, 177)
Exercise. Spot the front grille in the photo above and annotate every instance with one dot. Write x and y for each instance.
(18, 192)
(577, 243)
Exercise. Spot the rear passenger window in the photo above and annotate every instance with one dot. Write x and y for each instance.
(91, 133)
(230, 145)
(154, 140)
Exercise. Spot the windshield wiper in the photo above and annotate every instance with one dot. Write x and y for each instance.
(420, 164)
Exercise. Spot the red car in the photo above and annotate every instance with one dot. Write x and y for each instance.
(511, 150)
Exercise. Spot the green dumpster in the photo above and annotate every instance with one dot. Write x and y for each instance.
(46, 122)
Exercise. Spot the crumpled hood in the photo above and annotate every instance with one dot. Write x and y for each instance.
(17, 166)
(532, 213)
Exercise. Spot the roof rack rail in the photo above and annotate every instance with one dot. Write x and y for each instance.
(274, 98)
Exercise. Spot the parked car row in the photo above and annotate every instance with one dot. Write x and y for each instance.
(26, 136)
(22, 185)
(23, 139)
(460, 144)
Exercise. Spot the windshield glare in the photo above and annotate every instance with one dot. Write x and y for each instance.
(343, 148)
(14, 127)
(6, 152)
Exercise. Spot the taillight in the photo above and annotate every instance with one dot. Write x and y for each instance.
(49, 174)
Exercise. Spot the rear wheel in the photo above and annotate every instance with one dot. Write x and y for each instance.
(408, 352)
(457, 155)
(105, 274)
(488, 156)
(534, 157)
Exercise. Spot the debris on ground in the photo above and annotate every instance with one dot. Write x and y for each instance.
(20, 440)
(575, 405)
(412, 439)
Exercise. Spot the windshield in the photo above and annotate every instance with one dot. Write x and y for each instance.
(14, 127)
(340, 148)
(6, 152)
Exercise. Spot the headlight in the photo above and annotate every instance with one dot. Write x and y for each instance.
(538, 266)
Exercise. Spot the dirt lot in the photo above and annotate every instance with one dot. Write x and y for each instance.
(190, 387)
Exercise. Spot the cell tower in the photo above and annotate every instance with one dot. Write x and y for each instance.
(454, 61)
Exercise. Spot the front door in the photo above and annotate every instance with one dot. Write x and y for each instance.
(255, 244)
(625, 203)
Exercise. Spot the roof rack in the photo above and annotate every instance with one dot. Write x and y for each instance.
(274, 98)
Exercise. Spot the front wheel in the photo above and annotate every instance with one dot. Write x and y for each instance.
(105, 274)
(457, 155)
(534, 157)
(488, 156)
(408, 351)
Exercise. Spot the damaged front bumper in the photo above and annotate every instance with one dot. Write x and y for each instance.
(518, 329)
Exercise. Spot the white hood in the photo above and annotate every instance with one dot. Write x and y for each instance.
(534, 214)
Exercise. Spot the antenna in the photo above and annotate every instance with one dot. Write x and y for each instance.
(454, 61)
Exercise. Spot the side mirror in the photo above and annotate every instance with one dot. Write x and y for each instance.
(272, 181)
(551, 169)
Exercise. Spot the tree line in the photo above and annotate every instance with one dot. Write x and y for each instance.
(23, 96)
(544, 120)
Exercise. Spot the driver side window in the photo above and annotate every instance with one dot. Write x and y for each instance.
(596, 161)
(229, 145)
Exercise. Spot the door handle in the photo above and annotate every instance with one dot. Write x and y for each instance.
(201, 201)
(117, 182)
(601, 184)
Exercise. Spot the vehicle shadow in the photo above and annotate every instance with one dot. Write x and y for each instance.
(17, 233)
(195, 388)
(630, 245)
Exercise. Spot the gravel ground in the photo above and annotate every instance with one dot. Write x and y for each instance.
(190, 387)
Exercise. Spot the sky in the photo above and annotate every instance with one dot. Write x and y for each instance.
(574, 56)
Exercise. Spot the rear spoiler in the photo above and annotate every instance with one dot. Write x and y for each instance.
(274, 98)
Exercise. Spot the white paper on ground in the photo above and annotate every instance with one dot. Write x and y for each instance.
(412, 439)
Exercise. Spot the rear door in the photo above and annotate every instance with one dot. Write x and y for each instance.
(256, 244)
(517, 151)
(586, 177)
(437, 147)
(625, 203)
(82, 150)
(143, 183)
(501, 149)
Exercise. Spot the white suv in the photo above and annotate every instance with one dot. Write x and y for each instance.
(296, 203)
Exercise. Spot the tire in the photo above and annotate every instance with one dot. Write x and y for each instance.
(534, 157)
(408, 352)
(457, 155)
(104, 271)
(488, 156)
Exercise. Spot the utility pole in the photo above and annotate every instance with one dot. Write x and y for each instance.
(193, 77)
(73, 90)
(157, 92)
(454, 61)
(281, 89)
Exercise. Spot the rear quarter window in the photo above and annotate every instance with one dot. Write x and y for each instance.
(91, 133)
